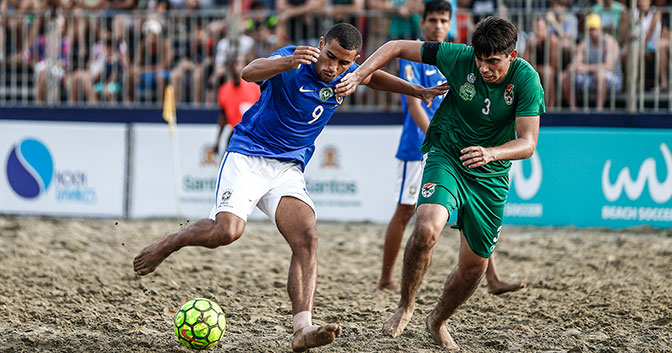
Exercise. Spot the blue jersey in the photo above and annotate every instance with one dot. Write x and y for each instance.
(292, 110)
(412, 136)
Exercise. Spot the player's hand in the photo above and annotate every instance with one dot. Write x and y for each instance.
(427, 94)
(304, 55)
(348, 84)
(476, 156)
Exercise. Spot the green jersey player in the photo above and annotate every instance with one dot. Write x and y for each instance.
(490, 117)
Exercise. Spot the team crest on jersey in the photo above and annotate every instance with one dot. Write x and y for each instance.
(508, 95)
(339, 100)
(408, 73)
(467, 91)
(471, 78)
(326, 93)
(226, 195)
(428, 190)
(413, 189)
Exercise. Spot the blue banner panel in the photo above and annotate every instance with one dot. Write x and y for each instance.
(611, 177)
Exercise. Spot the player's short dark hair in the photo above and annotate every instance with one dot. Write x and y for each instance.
(492, 36)
(346, 35)
(437, 6)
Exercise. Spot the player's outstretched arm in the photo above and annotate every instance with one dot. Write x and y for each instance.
(264, 68)
(405, 49)
(527, 130)
(383, 81)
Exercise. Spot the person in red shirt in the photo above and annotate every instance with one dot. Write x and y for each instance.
(235, 96)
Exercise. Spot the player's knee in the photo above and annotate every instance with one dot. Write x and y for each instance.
(225, 233)
(425, 236)
(305, 242)
(473, 270)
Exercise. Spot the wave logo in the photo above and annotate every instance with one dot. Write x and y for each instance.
(660, 192)
(30, 168)
(526, 187)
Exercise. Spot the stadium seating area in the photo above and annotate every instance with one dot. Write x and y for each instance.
(124, 52)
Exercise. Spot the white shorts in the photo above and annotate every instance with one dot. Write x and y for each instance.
(409, 177)
(248, 181)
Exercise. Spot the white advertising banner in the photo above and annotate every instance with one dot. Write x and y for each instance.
(64, 168)
(352, 174)
(154, 192)
(350, 177)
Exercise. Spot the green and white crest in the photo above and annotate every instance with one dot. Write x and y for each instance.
(326, 93)
(467, 91)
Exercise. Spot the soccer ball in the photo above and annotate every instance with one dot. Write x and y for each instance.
(199, 324)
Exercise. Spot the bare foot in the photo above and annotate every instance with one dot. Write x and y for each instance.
(396, 324)
(440, 333)
(504, 287)
(391, 286)
(151, 256)
(306, 338)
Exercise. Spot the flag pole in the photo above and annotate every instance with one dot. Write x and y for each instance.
(170, 116)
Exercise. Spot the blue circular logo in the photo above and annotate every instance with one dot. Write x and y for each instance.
(30, 168)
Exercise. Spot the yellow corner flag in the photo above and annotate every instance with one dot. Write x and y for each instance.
(169, 114)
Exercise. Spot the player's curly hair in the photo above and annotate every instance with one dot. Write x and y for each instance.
(346, 35)
(492, 36)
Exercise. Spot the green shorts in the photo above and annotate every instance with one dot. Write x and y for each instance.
(478, 200)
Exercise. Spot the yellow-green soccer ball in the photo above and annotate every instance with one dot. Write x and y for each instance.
(199, 324)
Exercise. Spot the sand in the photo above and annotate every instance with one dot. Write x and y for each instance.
(67, 285)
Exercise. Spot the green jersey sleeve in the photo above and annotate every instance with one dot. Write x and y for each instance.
(531, 101)
(447, 56)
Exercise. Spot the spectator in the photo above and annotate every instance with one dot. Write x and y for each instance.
(649, 29)
(565, 25)
(190, 58)
(86, 65)
(50, 58)
(226, 49)
(596, 64)
(262, 26)
(297, 22)
(404, 17)
(665, 44)
(345, 11)
(613, 15)
(541, 50)
(114, 66)
(152, 62)
(481, 9)
(121, 53)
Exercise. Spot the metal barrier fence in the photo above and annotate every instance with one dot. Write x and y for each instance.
(127, 58)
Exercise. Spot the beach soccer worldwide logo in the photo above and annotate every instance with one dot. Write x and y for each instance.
(30, 168)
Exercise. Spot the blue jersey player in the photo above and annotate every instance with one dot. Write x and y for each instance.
(264, 163)
(435, 26)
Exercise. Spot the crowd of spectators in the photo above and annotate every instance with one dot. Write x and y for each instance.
(126, 51)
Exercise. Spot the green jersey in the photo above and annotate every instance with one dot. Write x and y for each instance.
(476, 113)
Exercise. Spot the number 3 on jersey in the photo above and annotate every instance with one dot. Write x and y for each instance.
(317, 113)
(486, 110)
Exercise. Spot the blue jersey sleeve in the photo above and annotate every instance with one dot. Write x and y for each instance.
(280, 53)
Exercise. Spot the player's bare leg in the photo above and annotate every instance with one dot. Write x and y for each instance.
(296, 221)
(431, 219)
(460, 285)
(393, 236)
(495, 284)
(225, 229)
